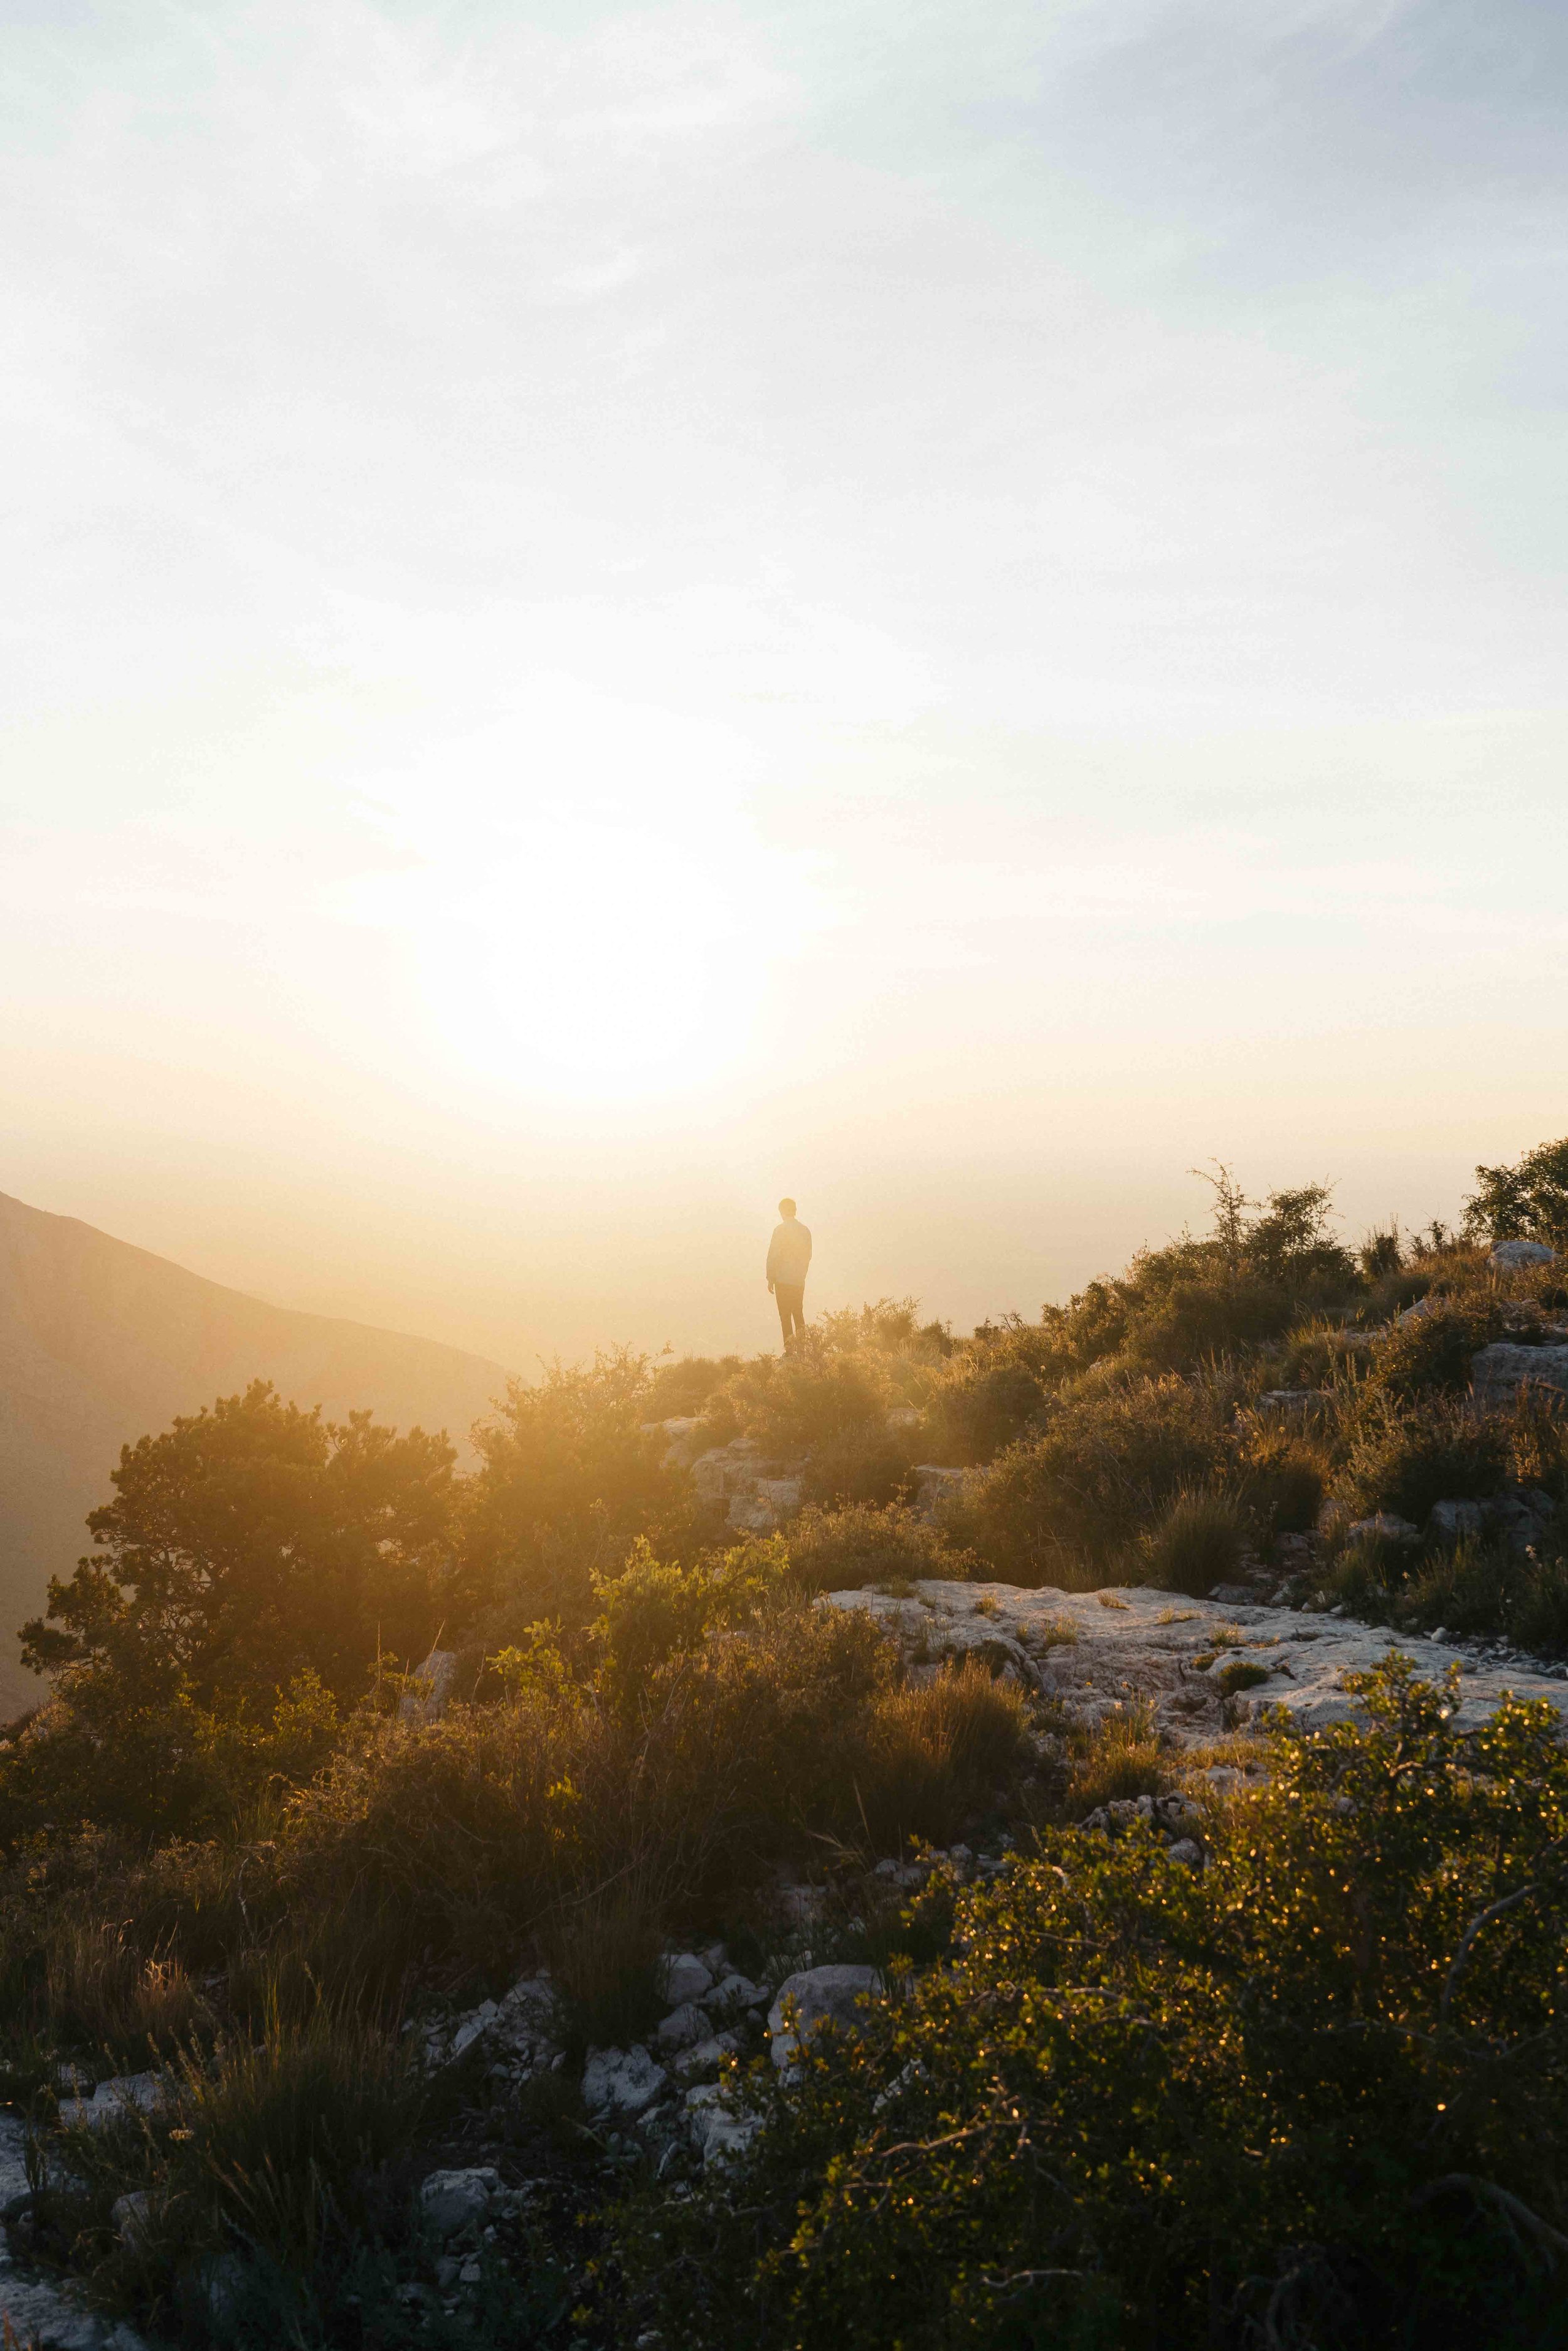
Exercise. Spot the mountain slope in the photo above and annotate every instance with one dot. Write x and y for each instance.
(101, 1343)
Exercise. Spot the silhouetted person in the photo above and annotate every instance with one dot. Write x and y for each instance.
(789, 1255)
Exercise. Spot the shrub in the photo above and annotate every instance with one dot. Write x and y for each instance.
(937, 1749)
(1109, 1458)
(1197, 1542)
(846, 1550)
(263, 2173)
(994, 1389)
(1121, 1756)
(1404, 1460)
(1284, 1478)
(252, 1541)
(1319, 2086)
(1526, 1202)
(569, 1476)
(871, 1465)
(814, 1395)
(682, 1387)
(1433, 1352)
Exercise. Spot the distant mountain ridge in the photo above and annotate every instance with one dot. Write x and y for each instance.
(101, 1343)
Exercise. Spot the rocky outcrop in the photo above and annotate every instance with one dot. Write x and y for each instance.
(1095, 1652)
(1499, 1372)
(1509, 1257)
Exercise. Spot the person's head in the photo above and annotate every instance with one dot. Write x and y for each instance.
(785, 1207)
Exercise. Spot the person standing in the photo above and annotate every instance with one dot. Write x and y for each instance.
(789, 1255)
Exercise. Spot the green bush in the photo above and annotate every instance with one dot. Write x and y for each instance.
(1432, 1352)
(1319, 2086)
(1525, 1202)
(1197, 1542)
(1404, 1459)
(569, 1477)
(1284, 1478)
(846, 1550)
(1110, 1457)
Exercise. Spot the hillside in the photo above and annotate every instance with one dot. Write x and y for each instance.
(101, 1343)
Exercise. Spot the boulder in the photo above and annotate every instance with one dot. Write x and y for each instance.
(1387, 1526)
(618, 2082)
(450, 2200)
(1508, 1256)
(719, 2132)
(817, 1996)
(1499, 1372)
(933, 1484)
(426, 1700)
(683, 1977)
(1450, 1521)
(684, 2026)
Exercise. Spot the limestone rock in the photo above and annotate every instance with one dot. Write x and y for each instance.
(684, 2026)
(1450, 1521)
(427, 1700)
(450, 2200)
(1508, 1256)
(1147, 1646)
(1386, 1525)
(1500, 1371)
(817, 1995)
(732, 1993)
(706, 2052)
(620, 2081)
(684, 1977)
(719, 2131)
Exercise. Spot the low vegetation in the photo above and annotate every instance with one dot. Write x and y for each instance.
(1308, 2093)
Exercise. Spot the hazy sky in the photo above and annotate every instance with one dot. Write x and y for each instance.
(609, 610)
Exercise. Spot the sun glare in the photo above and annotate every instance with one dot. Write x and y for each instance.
(592, 961)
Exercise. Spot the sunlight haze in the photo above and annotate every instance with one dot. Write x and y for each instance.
(614, 611)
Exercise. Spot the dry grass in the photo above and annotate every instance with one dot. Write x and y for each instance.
(937, 1749)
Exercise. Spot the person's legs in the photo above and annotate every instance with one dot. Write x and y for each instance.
(791, 1297)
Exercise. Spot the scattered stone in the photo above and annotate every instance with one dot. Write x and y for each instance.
(1187, 1851)
(704, 2053)
(818, 1995)
(450, 2200)
(1508, 1256)
(131, 2214)
(620, 2081)
(732, 1993)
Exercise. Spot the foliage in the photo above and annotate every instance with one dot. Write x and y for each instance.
(1320, 2087)
(250, 1544)
(569, 1474)
(1110, 1454)
(1528, 1201)
(1431, 1352)
(1404, 1459)
(846, 1550)
(1195, 1544)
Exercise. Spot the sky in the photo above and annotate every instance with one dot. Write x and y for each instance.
(611, 611)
